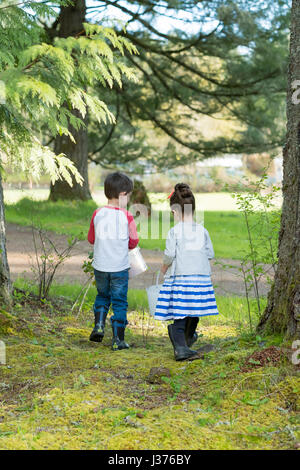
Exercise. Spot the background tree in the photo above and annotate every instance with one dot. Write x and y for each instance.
(282, 313)
(43, 85)
(225, 60)
(71, 21)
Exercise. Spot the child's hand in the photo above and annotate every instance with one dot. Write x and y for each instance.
(164, 269)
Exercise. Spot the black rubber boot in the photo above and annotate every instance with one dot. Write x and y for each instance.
(191, 336)
(181, 351)
(190, 330)
(118, 341)
(98, 331)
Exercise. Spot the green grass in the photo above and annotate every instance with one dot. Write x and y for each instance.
(227, 229)
(65, 217)
(220, 201)
(233, 309)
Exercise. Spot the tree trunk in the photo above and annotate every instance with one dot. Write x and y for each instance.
(78, 153)
(282, 314)
(5, 282)
(71, 21)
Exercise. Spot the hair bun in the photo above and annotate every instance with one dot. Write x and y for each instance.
(183, 190)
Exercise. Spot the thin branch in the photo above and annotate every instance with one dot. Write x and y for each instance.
(202, 75)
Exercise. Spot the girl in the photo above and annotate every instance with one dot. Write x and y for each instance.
(187, 292)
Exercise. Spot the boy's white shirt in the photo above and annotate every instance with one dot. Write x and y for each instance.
(193, 248)
(113, 233)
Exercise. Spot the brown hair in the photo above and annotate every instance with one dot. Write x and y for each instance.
(182, 196)
(116, 183)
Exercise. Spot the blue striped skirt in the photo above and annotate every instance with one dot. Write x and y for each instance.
(186, 295)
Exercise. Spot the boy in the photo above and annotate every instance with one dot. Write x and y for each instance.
(112, 232)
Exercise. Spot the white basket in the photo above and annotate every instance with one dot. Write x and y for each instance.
(153, 293)
(137, 262)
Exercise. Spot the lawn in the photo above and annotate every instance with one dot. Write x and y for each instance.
(207, 201)
(233, 308)
(60, 391)
(227, 228)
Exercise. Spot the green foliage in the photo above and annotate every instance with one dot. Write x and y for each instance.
(45, 82)
(262, 222)
(220, 63)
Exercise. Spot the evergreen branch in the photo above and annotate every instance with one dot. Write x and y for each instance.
(210, 149)
(23, 3)
(143, 22)
(185, 65)
(110, 134)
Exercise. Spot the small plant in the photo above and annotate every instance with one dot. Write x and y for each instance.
(262, 222)
(81, 382)
(145, 329)
(48, 258)
(89, 270)
(175, 383)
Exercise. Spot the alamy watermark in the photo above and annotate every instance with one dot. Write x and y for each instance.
(2, 93)
(295, 95)
(296, 352)
(2, 353)
(154, 227)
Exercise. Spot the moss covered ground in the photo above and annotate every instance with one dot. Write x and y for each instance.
(60, 391)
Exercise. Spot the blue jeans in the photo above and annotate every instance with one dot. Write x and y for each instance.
(112, 289)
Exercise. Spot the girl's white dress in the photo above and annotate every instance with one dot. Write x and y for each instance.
(187, 289)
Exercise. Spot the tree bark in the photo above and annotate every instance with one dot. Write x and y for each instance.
(5, 282)
(282, 314)
(70, 23)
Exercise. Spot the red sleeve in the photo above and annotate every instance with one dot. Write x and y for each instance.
(91, 234)
(133, 236)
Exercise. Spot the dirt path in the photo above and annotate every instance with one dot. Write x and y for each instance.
(21, 257)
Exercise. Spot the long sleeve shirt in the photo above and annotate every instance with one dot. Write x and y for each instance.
(188, 249)
(112, 232)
